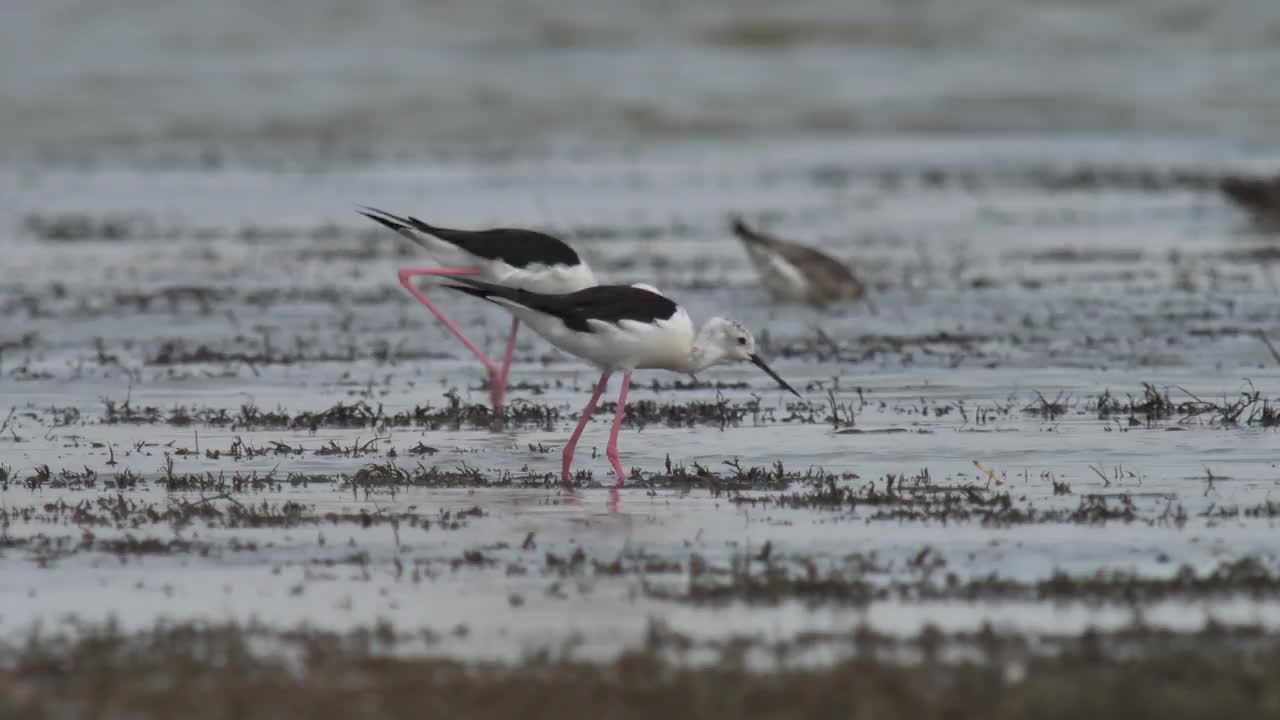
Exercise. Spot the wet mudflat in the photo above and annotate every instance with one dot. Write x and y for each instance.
(216, 671)
(1045, 447)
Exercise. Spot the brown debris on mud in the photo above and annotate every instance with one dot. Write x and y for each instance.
(766, 578)
(200, 671)
(721, 412)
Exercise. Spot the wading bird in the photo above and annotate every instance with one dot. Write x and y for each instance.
(795, 272)
(621, 328)
(510, 257)
(1259, 195)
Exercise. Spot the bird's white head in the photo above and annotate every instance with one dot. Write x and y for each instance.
(723, 341)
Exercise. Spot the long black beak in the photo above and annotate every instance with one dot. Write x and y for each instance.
(755, 359)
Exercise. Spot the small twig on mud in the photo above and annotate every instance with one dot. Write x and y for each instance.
(207, 500)
(825, 339)
(1192, 395)
(1105, 481)
(992, 473)
(1274, 353)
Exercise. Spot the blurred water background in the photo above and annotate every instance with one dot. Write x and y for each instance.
(404, 72)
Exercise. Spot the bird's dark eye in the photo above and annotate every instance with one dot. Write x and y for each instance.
(742, 341)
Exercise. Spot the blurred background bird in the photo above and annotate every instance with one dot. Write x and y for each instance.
(1259, 196)
(795, 272)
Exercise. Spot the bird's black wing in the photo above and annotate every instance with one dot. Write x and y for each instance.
(604, 303)
(515, 246)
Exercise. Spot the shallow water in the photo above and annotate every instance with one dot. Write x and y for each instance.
(1015, 282)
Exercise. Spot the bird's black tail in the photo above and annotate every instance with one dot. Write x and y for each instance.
(479, 292)
(564, 307)
(745, 233)
(492, 292)
(408, 226)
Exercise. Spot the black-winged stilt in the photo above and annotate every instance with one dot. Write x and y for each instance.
(795, 272)
(622, 328)
(511, 257)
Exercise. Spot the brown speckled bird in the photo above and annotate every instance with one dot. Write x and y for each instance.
(795, 272)
(1259, 195)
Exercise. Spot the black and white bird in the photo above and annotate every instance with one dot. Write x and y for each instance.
(510, 257)
(621, 328)
(795, 272)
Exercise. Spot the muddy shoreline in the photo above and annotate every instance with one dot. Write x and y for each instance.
(202, 671)
(239, 466)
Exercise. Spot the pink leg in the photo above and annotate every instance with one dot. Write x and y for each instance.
(618, 414)
(498, 385)
(582, 423)
(497, 376)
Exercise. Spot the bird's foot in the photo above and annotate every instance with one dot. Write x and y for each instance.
(617, 468)
(497, 396)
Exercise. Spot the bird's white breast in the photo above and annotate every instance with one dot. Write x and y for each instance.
(784, 279)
